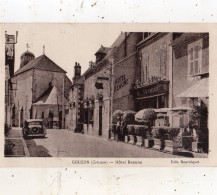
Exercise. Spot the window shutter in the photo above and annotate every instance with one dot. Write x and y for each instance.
(200, 57)
(145, 67)
(142, 69)
(196, 58)
(191, 61)
(163, 61)
(158, 61)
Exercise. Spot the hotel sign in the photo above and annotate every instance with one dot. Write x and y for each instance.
(152, 90)
(120, 82)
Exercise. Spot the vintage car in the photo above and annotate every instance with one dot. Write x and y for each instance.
(33, 128)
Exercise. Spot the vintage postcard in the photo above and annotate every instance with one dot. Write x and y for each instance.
(108, 95)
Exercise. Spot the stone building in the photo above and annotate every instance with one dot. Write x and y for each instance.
(153, 88)
(108, 83)
(191, 80)
(41, 91)
(125, 64)
(191, 69)
(97, 95)
(75, 115)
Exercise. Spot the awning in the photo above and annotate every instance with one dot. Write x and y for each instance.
(200, 89)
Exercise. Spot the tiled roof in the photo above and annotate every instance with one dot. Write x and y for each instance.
(43, 63)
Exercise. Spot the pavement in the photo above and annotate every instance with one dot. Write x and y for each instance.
(64, 143)
(15, 145)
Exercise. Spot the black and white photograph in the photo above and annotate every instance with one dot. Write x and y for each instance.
(91, 91)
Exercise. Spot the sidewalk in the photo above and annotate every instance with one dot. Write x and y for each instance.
(183, 153)
(15, 145)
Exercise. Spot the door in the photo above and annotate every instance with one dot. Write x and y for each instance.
(60, 119)
(21, 117)
(100, 120)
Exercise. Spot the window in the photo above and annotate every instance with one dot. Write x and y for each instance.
(161, 54)
(195, 58)
(145, 68)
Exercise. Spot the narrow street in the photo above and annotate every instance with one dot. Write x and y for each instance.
(64, 143)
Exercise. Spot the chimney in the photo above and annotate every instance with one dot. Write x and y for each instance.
(77, 71)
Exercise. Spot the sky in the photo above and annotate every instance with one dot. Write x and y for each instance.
(65, 44)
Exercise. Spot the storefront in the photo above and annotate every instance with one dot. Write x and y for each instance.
(152, 95)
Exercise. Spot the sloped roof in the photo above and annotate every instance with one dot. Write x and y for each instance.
(186, 36)
(50, 96)
(43, 63)
(80, 80)
(103, 49)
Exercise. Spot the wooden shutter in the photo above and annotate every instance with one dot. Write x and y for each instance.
(191, 60)
(200, 57)
(144, 68)
(163, 61)
(196, 59)
(158, 60)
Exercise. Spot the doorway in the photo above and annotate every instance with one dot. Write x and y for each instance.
(50, 123)
(60, 120)
(21, 117)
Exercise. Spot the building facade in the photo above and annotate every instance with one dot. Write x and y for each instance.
(165, 71)
(40, 88)
(108, 83)
(191, 80)
(153, 86)
(10, 41)
(97, 92)
(75, 115)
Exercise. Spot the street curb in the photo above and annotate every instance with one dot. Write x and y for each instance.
(26, 151)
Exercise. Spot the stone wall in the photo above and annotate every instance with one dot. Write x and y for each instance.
(22, 96)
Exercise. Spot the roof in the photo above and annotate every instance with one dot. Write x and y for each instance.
(80, 80)
(103, 49)
(186, 37)
(43, 63)
(27, 53)
(50, 96)
(199, 89)
(120, 39)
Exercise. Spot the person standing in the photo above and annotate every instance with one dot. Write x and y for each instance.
(118, 129)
